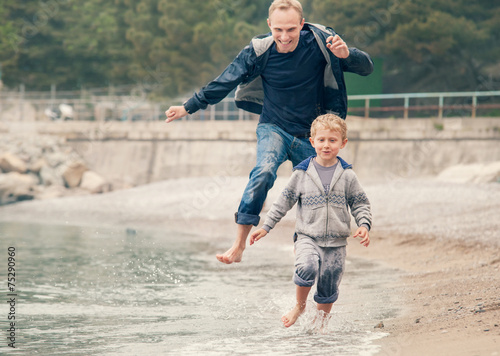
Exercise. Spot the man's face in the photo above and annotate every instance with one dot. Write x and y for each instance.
(285, 26)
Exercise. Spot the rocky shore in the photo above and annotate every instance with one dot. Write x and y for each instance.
(44, 167)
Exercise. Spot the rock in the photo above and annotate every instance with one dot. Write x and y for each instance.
(73, 174)
(15, 186)
(51, 192)
(37, 165)
(50, 176)
(94, 183)
(12, 163)
(471, 173)
(52, 164)
(56, 158)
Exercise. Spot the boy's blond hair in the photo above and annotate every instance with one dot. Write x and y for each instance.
(285, 5)
(329, 122)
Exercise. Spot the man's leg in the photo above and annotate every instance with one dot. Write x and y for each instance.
(271, 153)
(301, 149)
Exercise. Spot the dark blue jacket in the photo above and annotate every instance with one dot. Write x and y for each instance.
(246, 68)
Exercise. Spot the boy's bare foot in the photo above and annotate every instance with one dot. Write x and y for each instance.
(320, 321)
(291, 317)
(234, 254)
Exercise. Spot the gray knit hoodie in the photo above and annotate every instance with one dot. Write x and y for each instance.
(322, 216)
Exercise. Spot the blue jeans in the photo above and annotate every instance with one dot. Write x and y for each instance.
(274, 147)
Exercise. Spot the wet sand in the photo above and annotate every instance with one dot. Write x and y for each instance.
(442, 237)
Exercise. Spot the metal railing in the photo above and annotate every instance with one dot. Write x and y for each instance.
(469, 105)
(16, 105)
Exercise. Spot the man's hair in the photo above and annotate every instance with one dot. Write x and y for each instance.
(329, 122)
(285, 5)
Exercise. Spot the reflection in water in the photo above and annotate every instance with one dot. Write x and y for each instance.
(90, 291)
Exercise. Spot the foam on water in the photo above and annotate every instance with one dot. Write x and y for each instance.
(98, 291)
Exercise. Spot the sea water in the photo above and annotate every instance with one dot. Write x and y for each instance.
(118, 291)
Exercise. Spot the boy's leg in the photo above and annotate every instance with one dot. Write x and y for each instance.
(326, 308)
(323, 316)
(272, 148)
(332, 263)
(291, 317)
(306, 270)
(331, 270)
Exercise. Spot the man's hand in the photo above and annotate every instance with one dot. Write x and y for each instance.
(175, 112)
(337, 46)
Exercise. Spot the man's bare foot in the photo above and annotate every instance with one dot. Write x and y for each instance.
(291, 317)
(234, 254)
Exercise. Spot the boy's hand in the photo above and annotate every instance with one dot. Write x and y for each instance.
(365, 236)
(257, 235)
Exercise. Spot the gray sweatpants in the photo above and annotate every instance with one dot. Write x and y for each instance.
(326, 264)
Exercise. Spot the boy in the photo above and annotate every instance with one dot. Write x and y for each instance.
(324, 187)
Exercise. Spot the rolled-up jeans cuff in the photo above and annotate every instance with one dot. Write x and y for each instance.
(246, 219)
(326, 300)
(302, 282)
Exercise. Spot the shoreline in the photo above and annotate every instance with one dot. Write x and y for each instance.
(442, 237)
(450, 292)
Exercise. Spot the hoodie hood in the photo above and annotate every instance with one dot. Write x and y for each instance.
(305, 164)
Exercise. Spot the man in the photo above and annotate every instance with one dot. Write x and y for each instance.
(288, 77)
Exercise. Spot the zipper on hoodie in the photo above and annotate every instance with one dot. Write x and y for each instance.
(327, 215)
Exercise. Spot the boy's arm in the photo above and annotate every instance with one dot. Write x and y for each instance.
(285, 201)
(359, 204)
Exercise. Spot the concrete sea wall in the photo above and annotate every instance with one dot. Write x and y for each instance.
(135, 153)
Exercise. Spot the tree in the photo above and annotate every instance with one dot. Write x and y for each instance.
(187, 43)
(66, 43)
(438, 45)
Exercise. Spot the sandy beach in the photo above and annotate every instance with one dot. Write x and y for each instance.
(442, 237)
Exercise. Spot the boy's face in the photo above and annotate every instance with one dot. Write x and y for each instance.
(285, 26)
(327, 144)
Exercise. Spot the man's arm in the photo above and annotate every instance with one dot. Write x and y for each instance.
(351, 59)
(234, 74)
(358, 62)
(175, 112)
